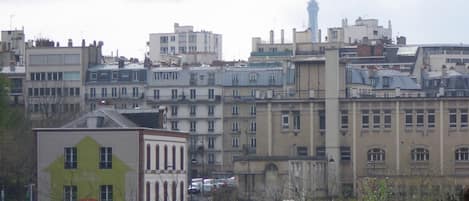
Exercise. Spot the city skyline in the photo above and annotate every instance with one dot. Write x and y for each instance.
(126, 25)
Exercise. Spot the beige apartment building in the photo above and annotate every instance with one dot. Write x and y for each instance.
(333, 142)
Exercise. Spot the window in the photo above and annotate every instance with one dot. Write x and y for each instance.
(193, 125)
(124, 91)
(376, 154)
(253, 93)
(135, 76)
(408, 118)
(181, 158)
(253, 126)
(420, 118)
(103, 92)
(157, 157)
(156, 94)
(70, 193)
(322, 120)
(165, 157)
(463, 118)
(174, 125)
(321, 151)
(174, 110)
(105, 158)
(235, 93)
(174, 157)
(94, 76)
(431, 118)
(165, 191)
(252, 77)
(462, 154)
(192, 110)
(365, 119)
(344, 119)
(285, 123)
(376, 119)
(234, 79)
(157, 191)
(296, 120)
(235, 110)
(174, 94)
(302, 151)
(211, 142)
(70, 158)
(211, 126)
(211, 110)
(452, 118)
(387, 119)
(253, 143)
(192, 94)
(114, 92)
(420, 154)
(211, 93)
(253, 109)
(148, 157)
(345, 153)
(135, 92)
(106, 193)
(115, 75)
(235, 126)
(181, 191)
(235, 141)
(211, 158)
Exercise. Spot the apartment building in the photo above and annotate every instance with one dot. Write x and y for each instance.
(404, 138)
(363, 30)
(55, 77)
(185, 46)
(15, 75)
(104, 155)
(14, 42)
(193, 98)
(120, 85)
(241, 86)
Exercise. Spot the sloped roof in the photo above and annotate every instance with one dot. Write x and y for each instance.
(110, 119)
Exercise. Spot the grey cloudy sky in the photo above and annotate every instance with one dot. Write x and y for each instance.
(126, 24)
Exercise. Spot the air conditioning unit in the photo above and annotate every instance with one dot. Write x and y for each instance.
(312, 94)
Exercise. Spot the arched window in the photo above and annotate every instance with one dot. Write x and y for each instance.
(182, 158)
(174, 157)
(181, 191)
(148, 191)
(376, 154)
(157, 157)
(165, 157)
(420, 154)
(462, 154)
(157, 191)
(174, 191)
(165, 191)
(148, 157)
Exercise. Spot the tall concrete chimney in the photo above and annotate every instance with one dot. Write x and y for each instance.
(271, 36)
(282, 36)
(294, 42)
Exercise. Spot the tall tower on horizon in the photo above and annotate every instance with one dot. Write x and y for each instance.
(313, 10)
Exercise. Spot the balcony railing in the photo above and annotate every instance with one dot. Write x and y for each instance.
(110, 96)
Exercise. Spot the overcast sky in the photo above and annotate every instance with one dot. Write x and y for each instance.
(126, 24)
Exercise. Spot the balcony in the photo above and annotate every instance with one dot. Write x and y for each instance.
(272, 54)
(116, 97)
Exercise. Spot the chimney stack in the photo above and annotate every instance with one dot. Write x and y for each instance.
(282, 36)
(294, 42)
(57, 44)
(83, 43)
(319, 36)
(70, 43)
(271, 36)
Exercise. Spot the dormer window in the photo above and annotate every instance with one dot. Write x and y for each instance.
(386, 82)
(94, 76)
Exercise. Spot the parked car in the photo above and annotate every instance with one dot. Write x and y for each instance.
(194, 188)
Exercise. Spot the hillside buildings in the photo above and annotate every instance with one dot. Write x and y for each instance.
(184, 47)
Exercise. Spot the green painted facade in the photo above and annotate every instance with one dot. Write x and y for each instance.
(88, 177)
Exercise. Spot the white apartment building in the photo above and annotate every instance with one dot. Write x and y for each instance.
(193, 99)
(185, 46)
(363, 28)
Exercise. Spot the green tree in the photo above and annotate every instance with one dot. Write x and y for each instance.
(16, 147)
